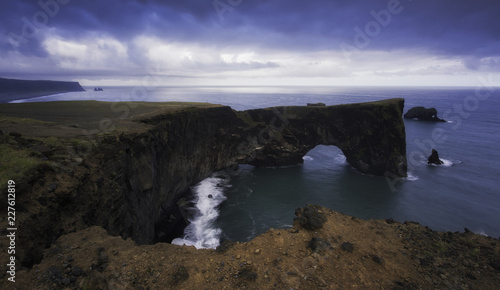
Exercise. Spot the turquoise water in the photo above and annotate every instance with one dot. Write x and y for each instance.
(463, 193)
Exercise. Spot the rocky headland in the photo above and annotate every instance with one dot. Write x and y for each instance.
(97, 181)
(12, 89)
(421, 113)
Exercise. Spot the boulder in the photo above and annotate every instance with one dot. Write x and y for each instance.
(434, 158)
(310, 217)
(347, 247)
(422, 113)
(318, 245)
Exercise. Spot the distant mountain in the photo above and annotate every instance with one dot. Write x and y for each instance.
(11, 89)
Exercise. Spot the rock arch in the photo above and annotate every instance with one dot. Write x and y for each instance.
(371, 135)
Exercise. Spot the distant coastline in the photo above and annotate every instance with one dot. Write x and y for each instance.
(12, 89)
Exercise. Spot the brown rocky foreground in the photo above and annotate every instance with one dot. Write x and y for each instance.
(343, 253)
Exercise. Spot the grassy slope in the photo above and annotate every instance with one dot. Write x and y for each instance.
(71, 118)
(15, 163)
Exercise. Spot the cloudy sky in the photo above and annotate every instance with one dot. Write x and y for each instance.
(252, 42)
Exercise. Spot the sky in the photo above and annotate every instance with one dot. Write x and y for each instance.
(252, 42)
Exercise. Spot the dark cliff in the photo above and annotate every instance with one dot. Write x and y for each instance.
(421, 113)
(11, 89)
(371, 135)
(156, 168)
(132, 183)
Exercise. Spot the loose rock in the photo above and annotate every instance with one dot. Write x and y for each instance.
(348, 247)
(310, 217)
(318, 245)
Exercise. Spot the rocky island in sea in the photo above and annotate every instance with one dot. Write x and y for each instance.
(421, 113)
(100, 195)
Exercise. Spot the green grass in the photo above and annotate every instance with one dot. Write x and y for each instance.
(22, 121)
(245, 117)
(15, 164)
(52, 141)
(442, 246)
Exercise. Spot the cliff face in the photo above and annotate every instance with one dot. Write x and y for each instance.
(156, 168)
(161, 165)
(134, 184)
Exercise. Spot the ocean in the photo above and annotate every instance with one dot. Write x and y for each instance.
(462, 193)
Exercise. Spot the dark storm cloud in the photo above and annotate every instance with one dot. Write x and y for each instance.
(446, 25)
(451, 26)
(459, 28)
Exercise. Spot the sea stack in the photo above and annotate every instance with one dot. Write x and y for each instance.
(434, 158)
(424, 114)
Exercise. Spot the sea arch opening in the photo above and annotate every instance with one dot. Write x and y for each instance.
(325, 157)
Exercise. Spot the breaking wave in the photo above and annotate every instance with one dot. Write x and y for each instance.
(340, 159)
(411, 177)
(307, 158)
(201, 233)
(447, 162)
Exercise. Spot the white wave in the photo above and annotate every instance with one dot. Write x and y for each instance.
(482, 233)
(411, 177)
(201, 232)
(447, 162)
(340, 159)
(307, 158)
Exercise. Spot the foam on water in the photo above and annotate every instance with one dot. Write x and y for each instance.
(411, 177)
(201, 233)
(340, 159)
(447, 162)
(307, 158)
(482, 233)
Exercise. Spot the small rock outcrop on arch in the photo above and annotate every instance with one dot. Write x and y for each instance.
(424, 114)
(316, 104)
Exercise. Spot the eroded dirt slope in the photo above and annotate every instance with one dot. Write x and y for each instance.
(345, 253)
